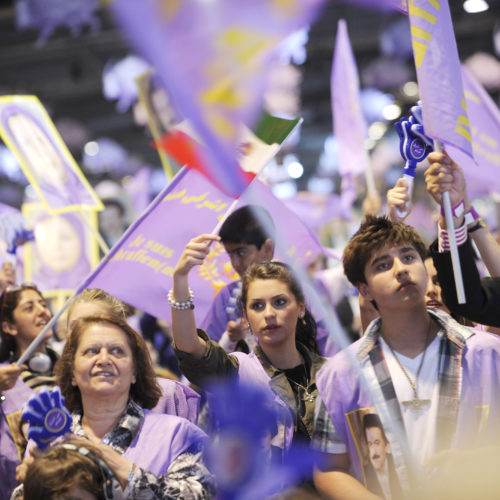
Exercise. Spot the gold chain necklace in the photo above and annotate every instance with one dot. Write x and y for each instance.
(416, 403)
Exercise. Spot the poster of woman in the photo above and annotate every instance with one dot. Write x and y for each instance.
(64, 250)
(30, 134)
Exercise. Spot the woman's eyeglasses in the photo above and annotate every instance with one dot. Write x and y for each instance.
(16, 288)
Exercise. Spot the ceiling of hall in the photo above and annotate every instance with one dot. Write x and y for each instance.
(66, 73)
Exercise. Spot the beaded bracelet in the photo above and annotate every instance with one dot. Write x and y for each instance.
(181, 306)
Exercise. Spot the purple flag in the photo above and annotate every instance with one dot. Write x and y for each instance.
(138, 269)
(213, 59)
(31, 135)
(484, 115)
(348, 122)
(438, 73)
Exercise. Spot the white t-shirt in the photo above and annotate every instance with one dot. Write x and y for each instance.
(420, 425)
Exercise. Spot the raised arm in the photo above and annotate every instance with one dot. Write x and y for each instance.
(398, 199)
(183, 322)
(446, 175)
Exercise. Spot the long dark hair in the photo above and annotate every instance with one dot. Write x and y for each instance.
(8, 302)
(305, 330)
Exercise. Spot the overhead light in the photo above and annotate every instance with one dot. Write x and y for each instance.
(410, 89)
(91, 148)
(474, 6)
(391, 112)
(376, 130)
(295, 170)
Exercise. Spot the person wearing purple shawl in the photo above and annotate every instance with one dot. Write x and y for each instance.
(434, 383)
(106, 376)
(284, 361)
(176, 398)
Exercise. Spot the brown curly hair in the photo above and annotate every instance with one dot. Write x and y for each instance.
(145, 391)
(373, 234)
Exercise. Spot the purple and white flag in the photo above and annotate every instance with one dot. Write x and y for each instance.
(349, 125)
(482, 174)
(438, 73)
(213, 60)
(138, 269)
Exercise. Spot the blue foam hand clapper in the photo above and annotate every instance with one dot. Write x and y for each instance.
(414, 145)
(47, 416)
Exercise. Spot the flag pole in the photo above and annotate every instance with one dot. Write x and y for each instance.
(455, 259)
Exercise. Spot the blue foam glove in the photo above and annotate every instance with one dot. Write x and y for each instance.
(47, 416)
(414, 145)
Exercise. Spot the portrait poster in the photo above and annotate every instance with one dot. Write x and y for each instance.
(374, 452)
(28, 131)
(64, 251)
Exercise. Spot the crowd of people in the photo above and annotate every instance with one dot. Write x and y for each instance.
(394, 415)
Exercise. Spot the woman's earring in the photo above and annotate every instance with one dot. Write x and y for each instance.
(302, 319)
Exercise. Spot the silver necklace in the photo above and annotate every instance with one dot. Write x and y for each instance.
(416, 403)
(309, 397)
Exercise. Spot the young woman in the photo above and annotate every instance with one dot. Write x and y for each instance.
(285, 360)
(23, 315)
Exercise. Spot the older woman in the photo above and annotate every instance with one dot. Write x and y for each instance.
(176, 398)
(23, 315)
(106, 376)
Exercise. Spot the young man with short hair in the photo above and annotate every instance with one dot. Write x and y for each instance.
(439, 382)
(248, 237)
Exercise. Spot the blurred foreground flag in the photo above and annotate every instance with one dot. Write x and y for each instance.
(213, 60)
(438, 73)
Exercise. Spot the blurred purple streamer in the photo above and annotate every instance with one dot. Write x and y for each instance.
(213, 60)
(48, 15)
(438, 73)
(240, 458)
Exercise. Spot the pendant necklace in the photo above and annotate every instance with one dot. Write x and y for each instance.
(416, 403)
(307, 395)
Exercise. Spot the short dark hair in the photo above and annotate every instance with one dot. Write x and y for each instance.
(250, 224)
(373, 234)
(145, 392)
(373, 420)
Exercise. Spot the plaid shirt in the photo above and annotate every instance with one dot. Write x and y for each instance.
(368, 351)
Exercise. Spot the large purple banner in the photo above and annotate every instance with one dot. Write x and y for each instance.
(138, 269)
